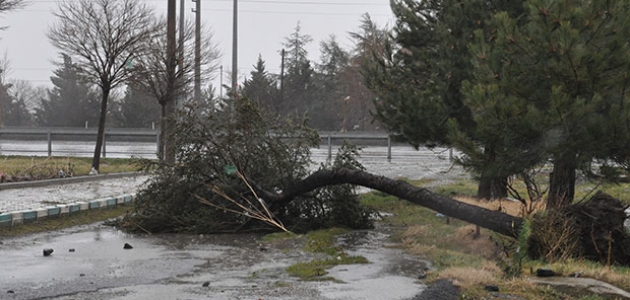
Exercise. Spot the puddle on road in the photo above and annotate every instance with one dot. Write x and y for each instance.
(391, 274)
(176, 267)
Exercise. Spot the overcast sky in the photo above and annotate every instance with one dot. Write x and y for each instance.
(263, 25)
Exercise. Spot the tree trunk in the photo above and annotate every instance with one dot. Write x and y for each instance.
(562, 182)
(168, 133)
(496, 221)
(96, 159)
(491, 186)
(162, 130)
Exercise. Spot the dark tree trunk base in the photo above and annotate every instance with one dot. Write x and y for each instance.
(598, 227)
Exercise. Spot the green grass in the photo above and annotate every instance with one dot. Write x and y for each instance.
(320, 241)
(316, 270)
(46, 167)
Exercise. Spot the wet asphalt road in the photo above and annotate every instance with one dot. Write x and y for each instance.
(177, 266)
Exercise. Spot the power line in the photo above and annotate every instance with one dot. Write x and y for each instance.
(257, 1)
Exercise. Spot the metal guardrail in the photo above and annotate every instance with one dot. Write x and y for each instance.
(51, 136)
(60, 136)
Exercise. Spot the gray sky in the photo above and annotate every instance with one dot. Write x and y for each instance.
(263, 24)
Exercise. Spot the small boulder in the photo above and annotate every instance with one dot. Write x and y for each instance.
(545, 273)
(127, 246)
(48, 252)
(491, 288)
(206, 284)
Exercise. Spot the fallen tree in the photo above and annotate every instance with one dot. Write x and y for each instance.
(240, 177)
(493, 220)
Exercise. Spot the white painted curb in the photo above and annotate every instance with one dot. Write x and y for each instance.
(10, 219)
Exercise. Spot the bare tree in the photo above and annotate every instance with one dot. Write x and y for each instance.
(31, 95)
(103, 37)
(7, 5)
(152, 72)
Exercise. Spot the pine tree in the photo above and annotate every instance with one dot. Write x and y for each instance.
(327, 109)
(14, 110)
(418, 83)
(298, 84)
(71, 102)
(137, 109)
(552, 83)
(370, 40)
(262, 88)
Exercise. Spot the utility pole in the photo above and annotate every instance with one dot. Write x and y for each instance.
(234, 57)
(171, 64)
(180, 48)
(197, 91)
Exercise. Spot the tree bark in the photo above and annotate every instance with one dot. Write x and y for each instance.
(96, 159)
(491, 186)
(493, 220)
(562, 182)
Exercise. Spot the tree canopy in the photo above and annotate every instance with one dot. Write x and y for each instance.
(509, 84)
(70, 102)
(551, 84)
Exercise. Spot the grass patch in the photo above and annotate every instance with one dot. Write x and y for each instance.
(321, 241)
(49, 167)
(474, 262)
(316, 269)
(64, 221)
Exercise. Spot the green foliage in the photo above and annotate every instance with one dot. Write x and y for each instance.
(136, 109)
(529, 91)
(71, 102)
(13, 102)
(267, 154)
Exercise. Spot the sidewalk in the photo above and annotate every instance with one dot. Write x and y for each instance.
(30, 200)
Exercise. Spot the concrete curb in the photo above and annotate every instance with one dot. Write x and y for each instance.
(11, 219)
(78, 179)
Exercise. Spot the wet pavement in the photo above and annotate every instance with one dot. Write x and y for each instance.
(177, 266)
(89, 262)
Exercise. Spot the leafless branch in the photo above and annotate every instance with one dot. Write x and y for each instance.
(246, 207)
(102, 36)
(151, 68)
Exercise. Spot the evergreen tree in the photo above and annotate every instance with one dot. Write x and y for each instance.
(418, 83)
(14, 110)
(70, 102)
(328, 108)
(370, 43)
(552, 83)
(137, 109)
(299, 86)
(262, 88)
